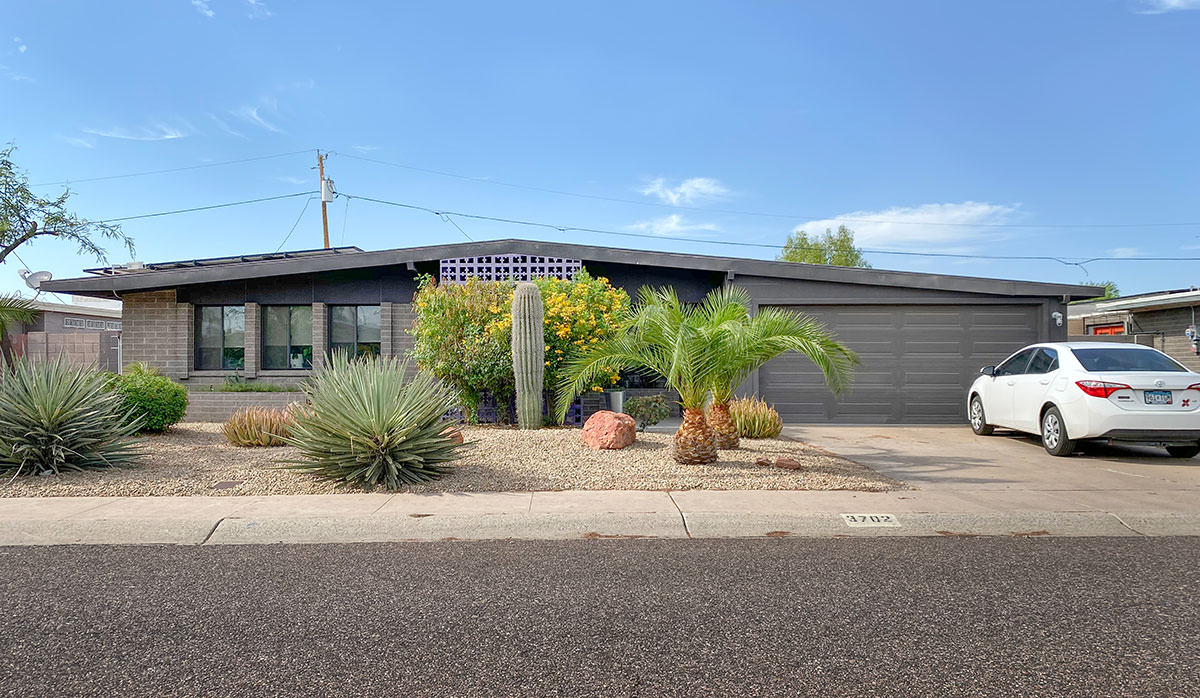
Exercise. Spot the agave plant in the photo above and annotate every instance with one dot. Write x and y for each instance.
(745, 342)
(258, 426)
(57, 416)
(755, 419)
(664, 337)
(368, 424)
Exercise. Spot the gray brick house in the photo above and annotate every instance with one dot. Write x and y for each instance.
(922, 337)
(1160, 319)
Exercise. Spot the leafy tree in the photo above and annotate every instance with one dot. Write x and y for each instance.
(833, 248)
(1111, 290)
(25, 216)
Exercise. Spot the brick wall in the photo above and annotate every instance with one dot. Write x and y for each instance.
(217, 407)
(157, 331)
(1168, 326)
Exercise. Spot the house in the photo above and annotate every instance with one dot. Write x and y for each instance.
(1162, 319)
(922, 337)
(86, 331)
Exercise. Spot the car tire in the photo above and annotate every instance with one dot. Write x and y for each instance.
(978, 417)
(1184, 451)
(1054, 434)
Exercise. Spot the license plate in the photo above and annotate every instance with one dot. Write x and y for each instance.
(1158, 397)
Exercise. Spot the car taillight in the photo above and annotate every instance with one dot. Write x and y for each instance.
(1194, 386)
(1101, 388)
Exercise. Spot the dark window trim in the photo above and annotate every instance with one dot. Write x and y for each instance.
(198, 322)
(262, 332)
(329, 326)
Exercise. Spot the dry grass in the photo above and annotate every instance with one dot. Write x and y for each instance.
(194, 457)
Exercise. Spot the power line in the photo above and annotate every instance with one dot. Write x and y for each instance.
(307, 201)
(171, 169)
(208, 208)
(1069, 261)
(738, 212)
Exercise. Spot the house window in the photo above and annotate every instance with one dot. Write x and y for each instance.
(1108, 330)
(354, 329)
(287, 337)
(76, 323)
(221, 337)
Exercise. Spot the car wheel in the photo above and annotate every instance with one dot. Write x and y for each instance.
(1054, 434)
(1184, 451)
(979, 423)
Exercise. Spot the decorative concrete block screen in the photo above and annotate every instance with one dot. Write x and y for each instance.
(507, 267)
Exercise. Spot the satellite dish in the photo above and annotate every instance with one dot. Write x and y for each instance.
(35, 279)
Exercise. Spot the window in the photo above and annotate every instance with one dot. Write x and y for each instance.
(1045, 361)
(1016, 365)
(354, 329)
(77, 323)
(220, 337)
(287, 337)
(1094, 360)
(1107, 330)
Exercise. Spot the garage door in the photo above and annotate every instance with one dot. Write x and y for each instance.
(917, 361)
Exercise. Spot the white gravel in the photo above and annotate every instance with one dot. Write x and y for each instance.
(195, 457)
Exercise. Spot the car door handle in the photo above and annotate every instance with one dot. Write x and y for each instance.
(1044, 381)
(1012, 382)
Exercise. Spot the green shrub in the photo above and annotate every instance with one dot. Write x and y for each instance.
(369, 425)
(246, 388)
(648, 410)
(57, 416)
(157, 400)
(258, 426)
(755, 419)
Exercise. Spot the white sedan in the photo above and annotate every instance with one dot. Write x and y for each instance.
(1074, 391)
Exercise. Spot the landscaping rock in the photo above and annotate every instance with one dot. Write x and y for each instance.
(609, 430)
(789, 463)
(453, 434)
(762, 460)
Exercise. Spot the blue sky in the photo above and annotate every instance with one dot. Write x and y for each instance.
(925, 126)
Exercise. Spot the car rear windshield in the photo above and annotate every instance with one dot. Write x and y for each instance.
(1114, 360)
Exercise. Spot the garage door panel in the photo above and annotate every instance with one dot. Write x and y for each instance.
(917, 362)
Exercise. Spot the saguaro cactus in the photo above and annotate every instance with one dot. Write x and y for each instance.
(528, 353)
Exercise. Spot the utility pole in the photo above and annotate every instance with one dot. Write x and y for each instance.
(326, 197)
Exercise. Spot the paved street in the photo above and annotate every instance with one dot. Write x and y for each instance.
(891, 617)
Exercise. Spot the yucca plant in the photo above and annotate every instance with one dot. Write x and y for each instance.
(57, 416)
(369, 425)
(744, 342)
(664, 337)
(754, 418)
(258, 426)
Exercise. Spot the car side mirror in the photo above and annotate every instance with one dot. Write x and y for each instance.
(988, 371)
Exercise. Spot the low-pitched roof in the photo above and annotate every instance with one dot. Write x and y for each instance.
(1153, 301)
(182, 274)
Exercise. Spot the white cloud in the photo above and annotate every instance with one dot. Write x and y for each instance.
(688, 191)
(21, 47)
(9, 74)
(157, 132)
(251, 115)
(941, 227)
(79, 142)
(289, 179)
(675, 226)
(258, 9)
(1155, 7)
(203, 8)
(365, 148)
(1123, 252)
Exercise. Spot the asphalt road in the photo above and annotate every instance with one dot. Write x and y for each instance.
(880, 617)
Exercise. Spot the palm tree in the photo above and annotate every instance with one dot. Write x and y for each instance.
(14, 310)
(663, 337)
(745, 342)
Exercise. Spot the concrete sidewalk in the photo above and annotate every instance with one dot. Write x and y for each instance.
(350, 518)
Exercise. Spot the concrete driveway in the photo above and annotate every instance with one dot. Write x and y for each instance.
(952, 458)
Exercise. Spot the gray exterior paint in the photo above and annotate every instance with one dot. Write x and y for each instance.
(922, 336)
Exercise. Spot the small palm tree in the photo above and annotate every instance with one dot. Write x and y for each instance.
(14, 310)
(664, 337)
(745, 342)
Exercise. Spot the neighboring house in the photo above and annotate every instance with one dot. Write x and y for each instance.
(1161, 319)
(86, 332)
(922, 337)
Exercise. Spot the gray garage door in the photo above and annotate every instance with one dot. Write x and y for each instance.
(917, 361)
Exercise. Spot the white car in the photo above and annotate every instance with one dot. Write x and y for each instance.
(1074, 391)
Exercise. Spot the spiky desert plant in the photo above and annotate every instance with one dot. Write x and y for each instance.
(744, 342)
(258, 426)
(754, 418)
(663, 337)
(56, 416)
(370, 425)
(528, 353)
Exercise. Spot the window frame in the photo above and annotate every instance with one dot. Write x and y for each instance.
(1054, 363)
(262, 331)
(357, 326)
(197, 325)
(1024, 366)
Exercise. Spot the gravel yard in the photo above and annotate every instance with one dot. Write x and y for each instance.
(195, 459)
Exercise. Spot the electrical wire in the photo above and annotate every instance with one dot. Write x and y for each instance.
(37, 290)
(1069, 261)
(345, 217)
(737, 212)
(307, 201)
(172, 169)
(208, 208)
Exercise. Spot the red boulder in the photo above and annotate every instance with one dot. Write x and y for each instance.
(609, 430)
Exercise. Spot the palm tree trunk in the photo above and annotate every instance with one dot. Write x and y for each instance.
(724, 428)
(695, 443)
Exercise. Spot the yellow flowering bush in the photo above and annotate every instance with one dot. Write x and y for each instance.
(463, 332)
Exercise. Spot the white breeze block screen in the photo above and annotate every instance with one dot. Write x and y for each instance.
(507, 267)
